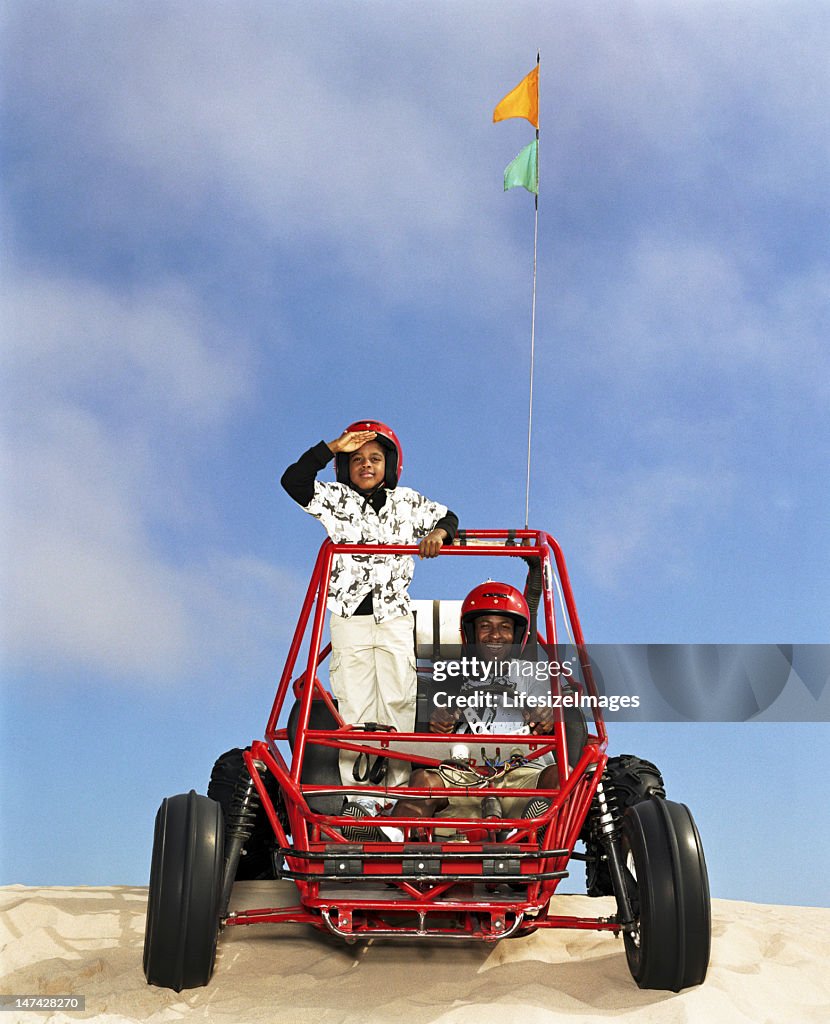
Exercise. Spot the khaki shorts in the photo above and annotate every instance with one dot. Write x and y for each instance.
(526, 777)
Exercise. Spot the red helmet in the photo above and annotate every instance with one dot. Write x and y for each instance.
(493, 598)
(387, 439)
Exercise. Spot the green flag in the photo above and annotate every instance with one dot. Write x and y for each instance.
(524, 169)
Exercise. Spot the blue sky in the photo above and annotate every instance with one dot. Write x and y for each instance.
(231, 229)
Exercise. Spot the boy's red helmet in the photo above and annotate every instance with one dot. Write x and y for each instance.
(388, 439)
(493, 598)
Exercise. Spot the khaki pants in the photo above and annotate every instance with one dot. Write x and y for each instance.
(374, 678)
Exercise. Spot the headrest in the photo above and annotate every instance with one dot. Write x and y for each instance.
(437, 625)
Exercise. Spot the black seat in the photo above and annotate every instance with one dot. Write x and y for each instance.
(321, 765)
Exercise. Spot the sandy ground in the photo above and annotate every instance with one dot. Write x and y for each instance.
(769, 963)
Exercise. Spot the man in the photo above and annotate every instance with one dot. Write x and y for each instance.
(496, 624)
(496, 619)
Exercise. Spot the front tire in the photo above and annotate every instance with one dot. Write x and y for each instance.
(185, 892)
(668, 887)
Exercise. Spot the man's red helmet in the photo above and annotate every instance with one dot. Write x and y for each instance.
(493, 598)
(388, 439)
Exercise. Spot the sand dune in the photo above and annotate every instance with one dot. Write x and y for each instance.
(769, 963)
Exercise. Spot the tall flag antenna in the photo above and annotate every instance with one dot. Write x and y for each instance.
(523, 170)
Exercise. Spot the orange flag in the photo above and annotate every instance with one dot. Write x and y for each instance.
(523, 101)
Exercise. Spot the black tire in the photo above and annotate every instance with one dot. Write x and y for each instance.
(632, 779)
(185, 892)
(665, 875)
(256, 861)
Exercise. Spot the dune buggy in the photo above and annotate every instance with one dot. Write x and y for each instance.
(442, 877)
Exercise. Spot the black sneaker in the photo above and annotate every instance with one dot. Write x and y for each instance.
(535, 808)
(359, 833)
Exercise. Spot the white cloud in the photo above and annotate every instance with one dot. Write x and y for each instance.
(362, 137)
(645, 519)
(174, 113)
(673, 305)
(106, 388)
(153, 352)
(88, 586)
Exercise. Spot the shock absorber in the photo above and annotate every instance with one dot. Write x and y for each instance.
(608, 811)
(608, 822)
(238, 829)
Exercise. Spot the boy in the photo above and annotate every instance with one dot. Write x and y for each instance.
(372, 670)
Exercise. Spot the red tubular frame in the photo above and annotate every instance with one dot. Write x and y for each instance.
(450, 902)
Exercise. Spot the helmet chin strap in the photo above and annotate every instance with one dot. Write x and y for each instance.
(367, 495)
(368, 492)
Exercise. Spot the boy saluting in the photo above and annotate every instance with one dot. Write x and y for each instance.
(372, 670)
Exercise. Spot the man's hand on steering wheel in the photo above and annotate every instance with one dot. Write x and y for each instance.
(444, 720)
(540, 720)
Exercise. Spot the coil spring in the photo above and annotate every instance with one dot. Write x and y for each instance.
(243, 808)
(608, 819)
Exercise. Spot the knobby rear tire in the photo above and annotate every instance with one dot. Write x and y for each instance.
(632, 779)
(256, 861)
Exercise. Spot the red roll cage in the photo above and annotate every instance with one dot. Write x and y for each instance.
(449, 887)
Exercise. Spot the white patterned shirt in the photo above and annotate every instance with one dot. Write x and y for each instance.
(405, 518)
